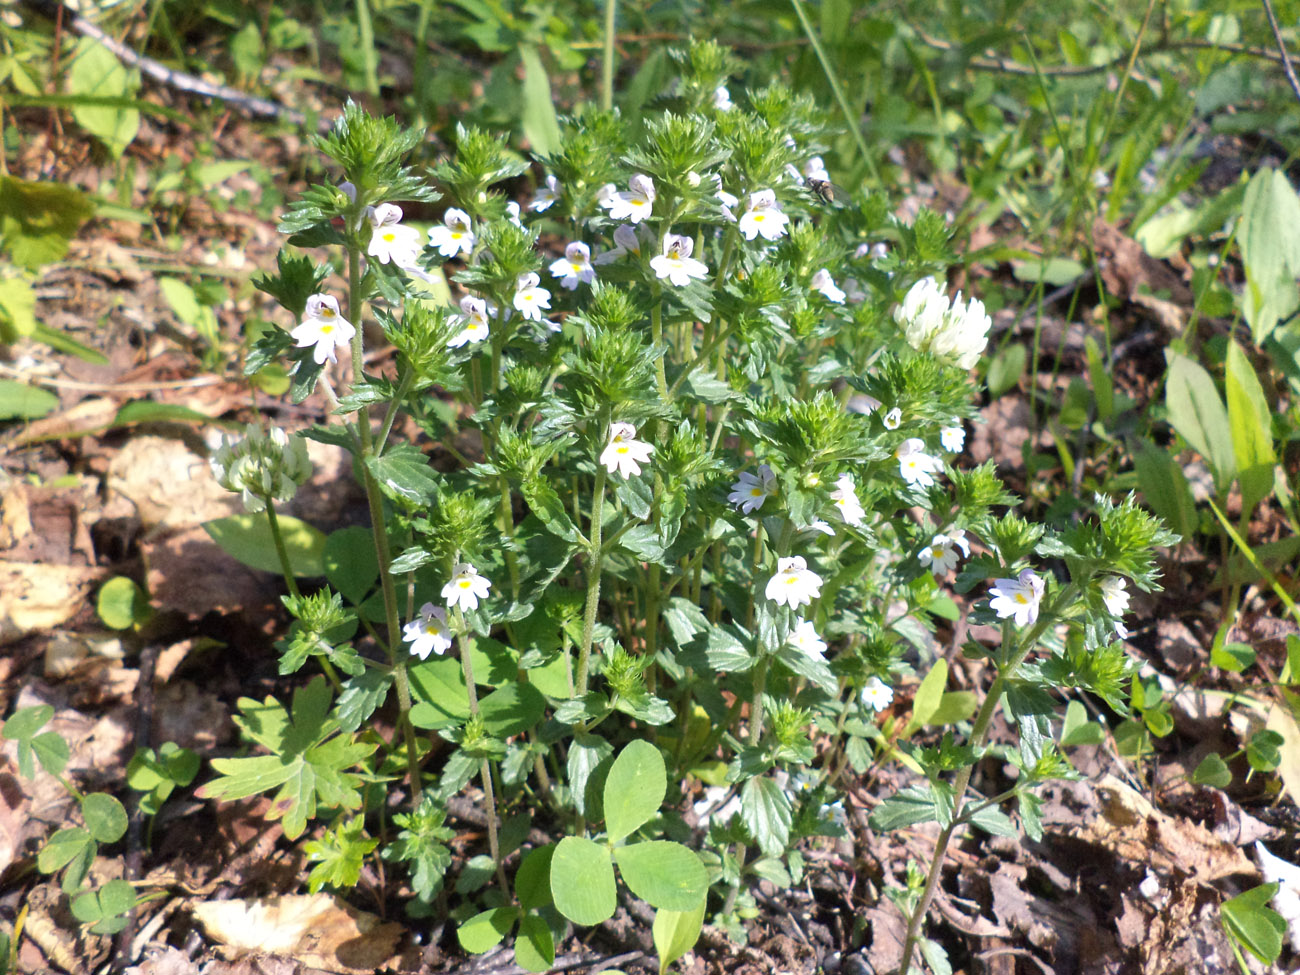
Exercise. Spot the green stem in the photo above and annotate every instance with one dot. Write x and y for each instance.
(485, 769)
(593, 575)
(607, 63)
(366, 40)
(853, 121)
(277, 537)
(657, 339)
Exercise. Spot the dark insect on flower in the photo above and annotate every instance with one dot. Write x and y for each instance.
(827, 191)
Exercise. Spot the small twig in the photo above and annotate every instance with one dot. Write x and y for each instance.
(1281, 47)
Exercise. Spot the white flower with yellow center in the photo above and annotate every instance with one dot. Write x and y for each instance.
(877, 695)
(634, 205)
(823, 283)
(751, 490)
(1116, 597)
(324, 327)
(804, 638)
(846, 500)
(574, 266)
(794, 584)
(454, 236)
(428, 633)
(952, 438)
(893, 419)
(676, 263)
(941, 554)
(916, 466)
(624, 453)
(466, 587)
(546, 195)
(390, 239)
(763, 217)
(1018, 599)
(722, 99)
(529, 298)
(474, 314)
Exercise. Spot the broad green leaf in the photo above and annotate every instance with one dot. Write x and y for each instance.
(351, 565)
(37, 220)
(534, 945)
(63, 847)
(147, 411)
(247, 539)
(766, 813)
(1078, 730)
(19, 401)
(582, 881)
(121, 603)
(1055, 271)
(105, 817)
(664, 874)
(484, 931)
(675, 933)
(533, 879)
(512, 709)
(107, 909)
(953, 707)
(634, 789)
(96, 71)
(1234, 657)
(928, 697)
(1212, 771)
(1006, 368)
(17, 314)
(25, 722)
(51, 750)
(1198, 415)
(816, 671)
(1249, 919)
(538, 120)
(1251, 421)
(1165, 488)
(438, 692)
(1270, 248)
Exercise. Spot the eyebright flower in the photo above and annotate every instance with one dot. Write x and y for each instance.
(846, 499)
(626, 242)
(763, 216)
(819, 526)
(324, 327)
(804, 637)
(512, 213)
(893, 419)
(1115, 596)
(953, 438)
(824, 283)
(529, 298)
(814, 168)
(391, 240)
(864, 404)
(428, 633)
(260, 465)
(916, 466)
(546, 195)
(958, 332)
(728, 201)
(634, 205)
(625, 454)
(941, 554)
(676, 263)
(794, 584)
(751, 490)
(454, 236)
(474, 313)
(877, 695)
(1018, 599)
(722, 99)
(466, 587)
(574, 266)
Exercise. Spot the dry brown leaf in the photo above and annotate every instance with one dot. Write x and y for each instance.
(168, 484)
(35, 597)
(319, 930)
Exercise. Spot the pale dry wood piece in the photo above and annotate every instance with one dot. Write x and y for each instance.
(1135, 831)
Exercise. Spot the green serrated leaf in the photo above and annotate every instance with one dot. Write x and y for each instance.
(404, 474)
(766, 812)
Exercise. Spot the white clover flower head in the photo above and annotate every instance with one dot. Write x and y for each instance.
(877, 695)
(846, 500)
(823, 282)
(957, 332)
(529, 298)
(916, 466)
(1115, 597)
(428, 633)
(574, 267)
(722, 99)
(474, 314)
(634, 205)
(390, 239)
(676, 263)
(466, 587)
(941, 554)
(546, 195)
(804, 638)
(953, 437)
(814, 168)
(454, 236)
(763, 216)
(751, 490)
(260, 465)
(624, 454)
(1018, 598)
(893, 419)
(794, 584)
(324, 327)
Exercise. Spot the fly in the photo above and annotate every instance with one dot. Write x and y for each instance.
(827, 191)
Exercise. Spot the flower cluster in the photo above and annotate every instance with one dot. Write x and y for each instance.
(957, 332)
(262, 465)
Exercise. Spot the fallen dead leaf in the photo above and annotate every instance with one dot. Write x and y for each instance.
(314, 929)
(35, 598)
